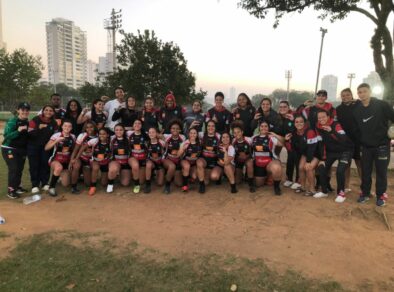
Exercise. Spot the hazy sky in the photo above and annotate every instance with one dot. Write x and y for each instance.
(224, 45)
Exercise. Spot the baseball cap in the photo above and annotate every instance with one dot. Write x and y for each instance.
(23, 105)
(322, 92)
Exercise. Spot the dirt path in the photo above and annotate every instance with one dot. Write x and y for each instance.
(317, 237)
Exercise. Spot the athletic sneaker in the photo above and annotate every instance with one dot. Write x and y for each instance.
(110, 188)
(277, 191)
(340, 197)
(382, 200)
(20, 190)
(52, 192)
(136, 189)
(147, 189)
(299, 190)
(363, 199)
(234, 190)
(167, 189)
(185, 189)
(92, 191)
(201, 188)
(45, 188)
(320, 195)
(309, 194)
(75, 191)
(287, 183)
(35, 190)
(13, 195)
(295, 186)
(252, 189)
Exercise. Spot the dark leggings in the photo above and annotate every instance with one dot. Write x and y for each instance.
(380, 156)
(344, 160)
(38, 165)
(15, 159)
(292, 162)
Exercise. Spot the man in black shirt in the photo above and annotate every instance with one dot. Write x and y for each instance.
(345, 118)
(372, 117)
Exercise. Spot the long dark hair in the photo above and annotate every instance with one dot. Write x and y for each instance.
(93, 110)
(68, 110)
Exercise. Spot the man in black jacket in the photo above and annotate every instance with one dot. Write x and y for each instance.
(372, 117)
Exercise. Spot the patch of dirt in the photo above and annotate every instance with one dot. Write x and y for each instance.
(348, 242)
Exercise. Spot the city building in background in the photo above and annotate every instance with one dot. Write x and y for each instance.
(233, 93)
(92, 72)
(2, 43)
(373, 79)
(67, 53)
(330, 84)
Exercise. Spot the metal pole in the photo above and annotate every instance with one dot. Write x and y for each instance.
(288, 76)
(323, 32)
(351, 76)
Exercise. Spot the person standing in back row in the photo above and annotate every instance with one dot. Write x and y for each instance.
(372, 117)
(111, 106)
(220, 115)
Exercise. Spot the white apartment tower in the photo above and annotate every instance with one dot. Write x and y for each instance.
(67, 53)
(2, 44)
(330, 84)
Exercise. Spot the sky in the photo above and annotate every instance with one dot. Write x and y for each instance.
(224, 45)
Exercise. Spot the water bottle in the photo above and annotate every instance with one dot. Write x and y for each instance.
(2, 220)
(32, 199)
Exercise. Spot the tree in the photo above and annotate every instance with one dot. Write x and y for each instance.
(90, 92)
(257, 98)
(296, 98)
(39, 95)
(150, 66)
(19, 73)
(66, 91)
(378, 13)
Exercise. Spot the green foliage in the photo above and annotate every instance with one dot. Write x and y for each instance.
(257, 98)
(19, 72)
(53, 263)
(66, 91)
(90, 92)
(151, 66)
(39, 95)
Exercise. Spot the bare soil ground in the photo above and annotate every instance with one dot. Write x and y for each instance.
(347, 242)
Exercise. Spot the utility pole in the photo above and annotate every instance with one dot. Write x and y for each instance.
(113, 24)
(288, 76)
(323, 33)
(351, 76)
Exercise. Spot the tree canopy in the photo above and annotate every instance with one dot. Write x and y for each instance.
(148, 65)
(19, 73)
(378, 12)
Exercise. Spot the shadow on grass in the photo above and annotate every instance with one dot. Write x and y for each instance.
(51, 262)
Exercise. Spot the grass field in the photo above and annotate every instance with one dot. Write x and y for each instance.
(58, 262)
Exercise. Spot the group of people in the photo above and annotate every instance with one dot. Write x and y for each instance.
(114, 141)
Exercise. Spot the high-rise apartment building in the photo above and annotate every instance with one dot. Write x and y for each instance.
(330, 84)
(2, 43)
(67, 53)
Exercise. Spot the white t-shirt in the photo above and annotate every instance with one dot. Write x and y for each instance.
(110, 108)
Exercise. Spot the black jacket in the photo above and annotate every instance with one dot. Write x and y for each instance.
(345, 116)
(373, 122)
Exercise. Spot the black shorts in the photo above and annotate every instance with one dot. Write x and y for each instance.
(142, 163)
(85, 163)
(357, 152)
(104, 168)
(211, 162)
(125, 167)
(239, 164)
(158, 165)
(260, 171)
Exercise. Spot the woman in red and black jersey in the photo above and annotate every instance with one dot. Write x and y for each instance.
(172, 160)
(101, 153)
(207, 168)
(155, 148)
(226, 156)
(120, 157)
(62, 144)
(81, 155)
(303, 142)
(264, 159)
(191, 151)
(137, 160)
(243, 155)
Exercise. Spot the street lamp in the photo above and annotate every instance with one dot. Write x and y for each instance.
(288, 76)
(351, 76)
(113, 24)
(323, 33)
